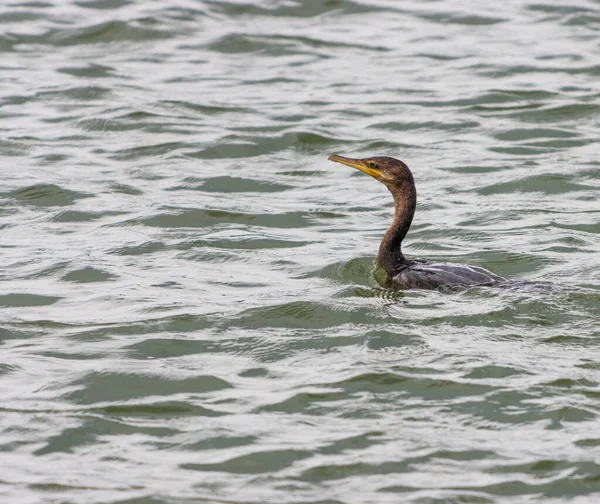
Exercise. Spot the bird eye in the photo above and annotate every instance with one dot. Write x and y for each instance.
(372, 164)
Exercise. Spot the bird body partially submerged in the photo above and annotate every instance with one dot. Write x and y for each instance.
(404, 273)
(432, 275)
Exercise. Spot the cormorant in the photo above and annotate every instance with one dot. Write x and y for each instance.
(403, 273)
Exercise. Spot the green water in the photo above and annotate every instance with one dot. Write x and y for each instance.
(188, 302)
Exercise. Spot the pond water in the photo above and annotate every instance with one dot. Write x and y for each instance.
(189, 300)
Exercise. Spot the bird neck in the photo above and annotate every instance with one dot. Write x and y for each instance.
(390, 255)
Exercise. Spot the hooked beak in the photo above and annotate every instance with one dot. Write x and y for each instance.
(359, 164)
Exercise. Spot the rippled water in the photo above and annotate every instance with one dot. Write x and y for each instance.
(190, 307)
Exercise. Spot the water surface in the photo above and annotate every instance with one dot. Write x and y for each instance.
(189, 303)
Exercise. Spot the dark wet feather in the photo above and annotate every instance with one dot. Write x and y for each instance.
(431, 275)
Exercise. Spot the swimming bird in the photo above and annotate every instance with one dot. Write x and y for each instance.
(403, 273)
